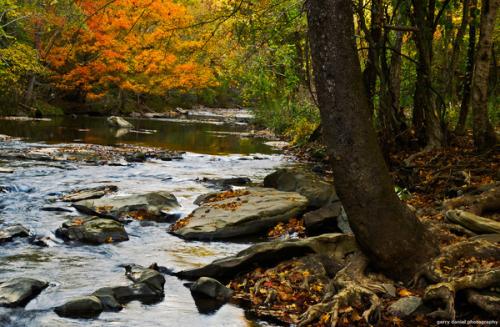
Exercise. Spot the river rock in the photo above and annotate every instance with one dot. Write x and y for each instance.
(18, 292)
(151, 277)
(81, 307)
(93, 230)
(238, 213)
(149, 206)
(310, 185)
(334, 246)
(225, 183)
(323, 219)
(10, 233)
(405, 306)
(212, 288)
(4, 170)
(118, 122)
(89, 193)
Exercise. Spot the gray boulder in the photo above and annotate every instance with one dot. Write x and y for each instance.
(151, 277)
(335, 246)
(310, 185)
(18, 292)
(118, 122)
(81, 307)
(149, 206)
(92, 230)
(239, 213)
(405, 306)
(10, 233)
(212, 288)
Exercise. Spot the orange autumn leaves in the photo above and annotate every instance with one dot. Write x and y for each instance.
(136, 46)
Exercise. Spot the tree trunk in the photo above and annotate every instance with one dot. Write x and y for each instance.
(484, 134)
(387, 231)
(455, 54)
(374, 37)
(426, 120)
(464, 107)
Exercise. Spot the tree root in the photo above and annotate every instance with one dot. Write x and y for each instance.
(473, 222)
(355, 290)
(462, 266)
(479, 204)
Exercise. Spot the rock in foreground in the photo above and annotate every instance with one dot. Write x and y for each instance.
(89, 193)
(92, 230)
(148, 288)
(333, 246)
(237, 213)
(149, 206)
(18, 292)
(212, 288)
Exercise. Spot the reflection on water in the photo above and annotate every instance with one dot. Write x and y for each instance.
(180, 135)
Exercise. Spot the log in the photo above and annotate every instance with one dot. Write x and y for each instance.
(473, 222)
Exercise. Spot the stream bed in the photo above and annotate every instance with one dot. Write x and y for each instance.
(212, 150)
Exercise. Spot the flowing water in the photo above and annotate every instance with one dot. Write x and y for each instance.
(212, 150)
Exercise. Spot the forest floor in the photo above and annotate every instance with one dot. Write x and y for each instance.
(430, 182)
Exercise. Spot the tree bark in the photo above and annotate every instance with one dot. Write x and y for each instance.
(484, 134)
(426, 119)
(455, 54)
(389, 233)
(469, 68)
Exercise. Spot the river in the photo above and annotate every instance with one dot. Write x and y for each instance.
(213, 150)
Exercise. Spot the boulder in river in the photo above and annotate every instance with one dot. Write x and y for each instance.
(18, 292)
(225, 183)
(89, 193)
(118, 122)
(150, 206)
(10, 233)
(81, 307)
(334, 246)
(212, 288)
(241, 212)
(310, 185)
(92, 230)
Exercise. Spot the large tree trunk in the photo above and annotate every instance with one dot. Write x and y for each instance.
(484, 135)
(426, 119)
(464, 107)
(387, 231)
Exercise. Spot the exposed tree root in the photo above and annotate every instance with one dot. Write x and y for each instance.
(354, 290)
(462, 266)
(473, 222)
(479, 204)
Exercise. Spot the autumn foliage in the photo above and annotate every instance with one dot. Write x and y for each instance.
(132, 46)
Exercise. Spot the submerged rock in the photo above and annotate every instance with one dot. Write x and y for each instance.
(89, 193)
(10, 233)
(92, 230)
(18, 292)
(310, 185)
(149, 206)
(81, 307)
(237, 213)
(118, 122)
(334, 246)
(212, 288)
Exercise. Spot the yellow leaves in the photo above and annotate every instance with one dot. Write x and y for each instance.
(405, 293)
(109, 240)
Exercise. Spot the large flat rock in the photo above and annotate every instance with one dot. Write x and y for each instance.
(237, 213)
(333, 246)
(148, 206)
(92, 230)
